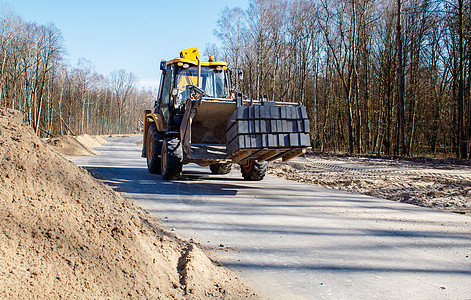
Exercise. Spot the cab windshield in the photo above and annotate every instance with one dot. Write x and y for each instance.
(213, 82)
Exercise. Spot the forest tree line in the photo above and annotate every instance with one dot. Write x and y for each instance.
(377, 76)
(59, 99)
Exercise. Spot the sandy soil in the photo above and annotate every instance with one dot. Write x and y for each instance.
(439, 184)
(63, 234)
(81, 145)
(74, 146)
(90, 141)
(100, 139)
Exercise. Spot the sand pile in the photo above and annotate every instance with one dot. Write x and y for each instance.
(81, 145)
(90, 141)
(69, 145)
(100, 139)
(65, 235)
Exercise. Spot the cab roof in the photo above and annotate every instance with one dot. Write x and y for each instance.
(190, 56)
(195, 63)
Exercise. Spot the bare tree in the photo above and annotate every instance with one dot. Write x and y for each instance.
(123, 84)
(55, 97)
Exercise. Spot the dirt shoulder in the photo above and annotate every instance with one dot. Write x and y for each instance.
(63, 234)
(441, 184)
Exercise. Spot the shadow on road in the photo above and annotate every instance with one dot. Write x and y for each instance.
(304, 234)
(140, 181)
(347, 269)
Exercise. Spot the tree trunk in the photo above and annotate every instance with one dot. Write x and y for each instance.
(400, 85)
(462, 146)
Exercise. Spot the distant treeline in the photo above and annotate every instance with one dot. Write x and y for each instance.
(57, 98)
(372, 84)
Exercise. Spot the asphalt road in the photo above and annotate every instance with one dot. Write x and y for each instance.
(297, 241)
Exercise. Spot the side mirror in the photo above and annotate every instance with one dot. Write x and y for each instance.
(163, 65)
(240, 74)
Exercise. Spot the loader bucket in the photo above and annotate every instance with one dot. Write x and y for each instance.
(219, 130)
(209, 123)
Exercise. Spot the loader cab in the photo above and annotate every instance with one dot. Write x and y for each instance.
(214, 82)
(164, 97)
(177, 77)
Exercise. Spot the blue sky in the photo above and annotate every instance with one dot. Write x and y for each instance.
(125, 34)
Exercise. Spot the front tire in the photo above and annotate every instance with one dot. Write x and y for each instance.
(153, 148)
(172, 158)
(220, 168)
(254, 170)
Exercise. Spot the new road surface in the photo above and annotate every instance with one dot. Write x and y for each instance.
(297, 241)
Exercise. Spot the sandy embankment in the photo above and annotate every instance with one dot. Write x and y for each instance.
(63, 234)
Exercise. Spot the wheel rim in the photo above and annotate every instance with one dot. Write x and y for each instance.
(150, 139)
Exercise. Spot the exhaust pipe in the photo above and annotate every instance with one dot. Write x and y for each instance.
(198, 82)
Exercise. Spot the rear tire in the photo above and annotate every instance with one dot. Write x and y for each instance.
(171, 158)
(220, 168)
(153, 148)
(254, 170)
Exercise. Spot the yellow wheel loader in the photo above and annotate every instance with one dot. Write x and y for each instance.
(198, 118)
